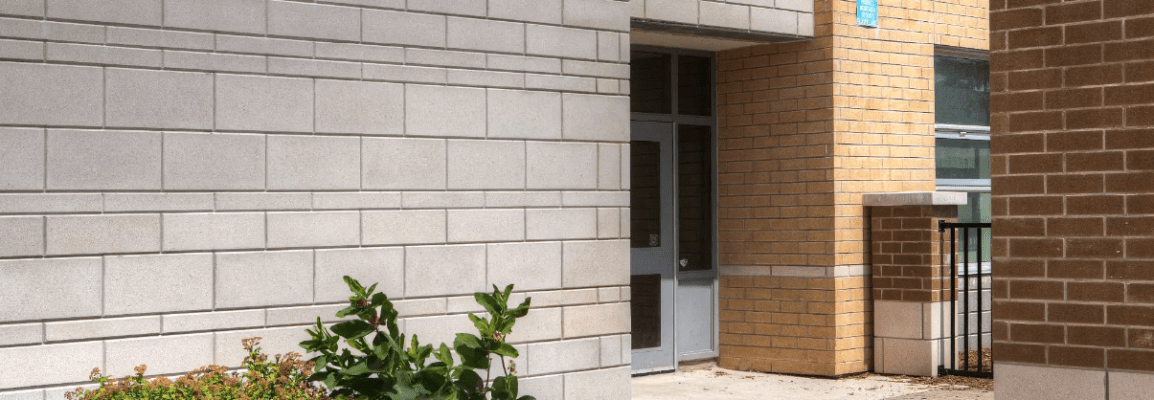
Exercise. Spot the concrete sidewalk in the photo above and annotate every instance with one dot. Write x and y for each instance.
(721, 384)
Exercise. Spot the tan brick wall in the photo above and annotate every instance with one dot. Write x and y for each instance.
(805, 128)
(1073, 183)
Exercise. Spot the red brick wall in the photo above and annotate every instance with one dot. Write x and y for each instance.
(1072, 99)
(907, 258)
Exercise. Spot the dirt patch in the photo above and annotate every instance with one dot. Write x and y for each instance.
(948, 382)
(971, 360)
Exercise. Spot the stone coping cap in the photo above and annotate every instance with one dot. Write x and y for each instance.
(914, 199)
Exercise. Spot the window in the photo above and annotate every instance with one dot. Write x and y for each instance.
(962, 116)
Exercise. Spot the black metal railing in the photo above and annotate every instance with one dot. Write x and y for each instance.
(966, 263)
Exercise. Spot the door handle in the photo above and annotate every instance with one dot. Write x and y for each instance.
(684, 262)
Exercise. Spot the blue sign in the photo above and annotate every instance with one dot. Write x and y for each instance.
(867, 13)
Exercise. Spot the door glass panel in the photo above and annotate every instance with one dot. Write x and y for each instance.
(645, 194)
(694, 78)
(963, 159)
(695, 198)
(962, 89)
(645, 305)
(651, 83)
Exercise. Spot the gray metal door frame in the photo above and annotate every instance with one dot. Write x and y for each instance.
(676, 120)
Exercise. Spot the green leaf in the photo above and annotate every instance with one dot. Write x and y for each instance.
(353, 329)
(508, 292)
(472, 352)
(486, 300)
(347, 311)
(482, 325)
(506, 350)
(354, 286)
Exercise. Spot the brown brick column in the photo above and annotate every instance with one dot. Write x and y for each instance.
(910, 286)
(1072, 102)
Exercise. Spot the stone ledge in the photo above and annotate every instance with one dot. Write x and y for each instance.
(914, 199)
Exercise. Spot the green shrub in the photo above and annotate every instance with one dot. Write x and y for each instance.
(381, 367)
(282, 378)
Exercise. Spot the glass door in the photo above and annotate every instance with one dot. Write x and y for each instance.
(652, 245)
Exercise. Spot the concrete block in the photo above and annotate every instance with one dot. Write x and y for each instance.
(524, 114)
(213, 321)
(74, 291)
(103, 234)
(529, 266)
(541, 387)
(596, 69)
(626, 293)
(180, 282)
(626, 160)
(805, 22)
(314, 163)
(31, 8)
(773, 20)
(444, 111)
(264, 45)
(596, 263)
(103, 160)
(263, 279)
(475, 164)
(609, 167)
(162, 355)
(595, 320)
(598, 14)
(104, 55)
(368, 108)
(570, 355)
(595, 199)
(304, 315)
(444, 270)
(609, 294)
(403, 227)
(608, 223)
(600, 118)
(18, 334)
(356, 201)
(553, 224)
(48, 365)
(143, 202)
(488, 79)
(682, 11)
(599, 384)
(500, 36)
(913, 357)
(214, 62)
(731, 16)
(384, 267)
(440, 329)
(226, 201)
(161, 38)
(608, 46)
(442, 58)
(21, 159)
(214, 231)
(796, 5)
(543, 11)
(404, 73)
(1018, 381)
(539, 324)
(50, 203)
(395, 4)
(403, 163)
(261, 103)
(194, 161)
(227, 345)
(486, 225)
(879, 354)
(41, 94)
(314, 21)
(453, 7)
(404, 28)
(464, 304)
(360, 52)
(561, 42)
(561, 165)
(101, 328)
(418, 307)
(443, 199)
(129, 12)
(22, 50)
(53, 31)
(1130, 385)
(898, 319)
(522, 63)
(560, 83)
(244, 16)
(314, 229)
(320, 68)
(611, 351)
(522, 199)
(564, 297)
(23, 236)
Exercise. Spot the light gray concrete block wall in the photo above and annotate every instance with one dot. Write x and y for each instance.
(177, 175)
(773, 17)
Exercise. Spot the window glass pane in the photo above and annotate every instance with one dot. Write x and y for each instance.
(962, 89)
(651, 83)
(694, 78)
(977, 210)
(695, 197)
(645, 307)
(645, 195)
(963, 159)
